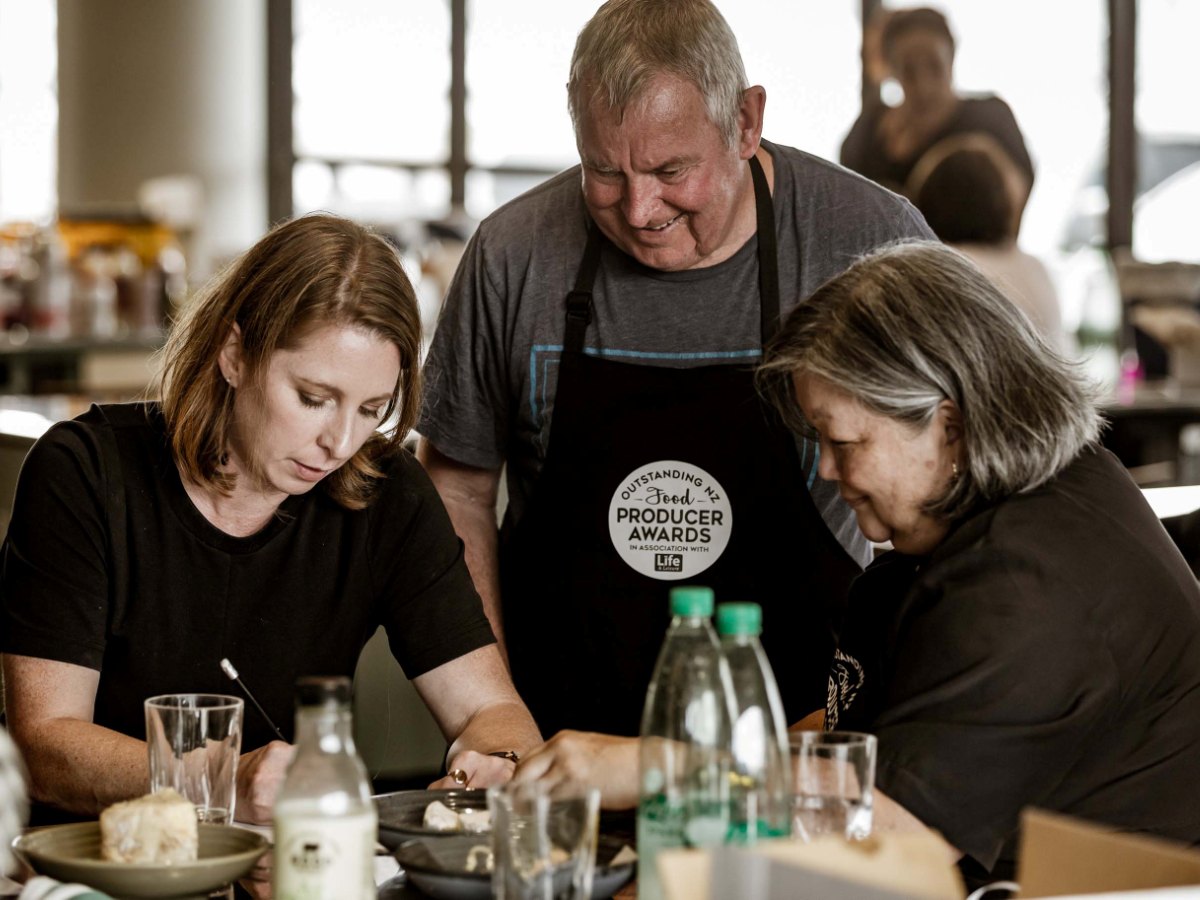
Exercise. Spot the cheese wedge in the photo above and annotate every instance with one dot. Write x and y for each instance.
(157, 828)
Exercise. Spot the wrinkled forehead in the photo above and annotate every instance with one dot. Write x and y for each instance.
(649, 92)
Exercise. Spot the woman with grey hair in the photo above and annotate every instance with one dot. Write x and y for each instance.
(1034, 637)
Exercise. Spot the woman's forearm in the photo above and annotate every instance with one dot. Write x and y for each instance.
(81, 767)
(498, 726)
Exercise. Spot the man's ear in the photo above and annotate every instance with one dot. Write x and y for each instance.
(750, 120)
(230, 358)
(951, 419)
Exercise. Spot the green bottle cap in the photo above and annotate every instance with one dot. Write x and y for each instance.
(739, 618)
(691, 601)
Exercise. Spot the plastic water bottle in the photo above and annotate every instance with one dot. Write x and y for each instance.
(761, 780)
(685, 740)
(325, 820)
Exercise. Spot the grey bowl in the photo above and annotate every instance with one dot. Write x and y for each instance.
(438, 867)
(402, 814)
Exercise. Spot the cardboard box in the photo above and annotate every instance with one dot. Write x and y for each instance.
(1059, 857)
(1064, 857)
(883, 867)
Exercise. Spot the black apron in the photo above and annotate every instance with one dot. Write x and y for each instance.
(584, 626)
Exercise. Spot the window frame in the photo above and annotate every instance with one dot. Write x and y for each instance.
(1121, 176)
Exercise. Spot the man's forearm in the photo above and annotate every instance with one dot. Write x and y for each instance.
(469, 495)
(476, 526)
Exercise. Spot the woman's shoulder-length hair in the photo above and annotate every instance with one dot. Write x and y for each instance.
(916, 323)
(306, 273)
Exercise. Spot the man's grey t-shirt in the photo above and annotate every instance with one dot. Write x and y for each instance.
(491, 374)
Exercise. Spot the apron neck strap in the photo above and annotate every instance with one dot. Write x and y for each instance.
(579, 300)
(768, 253)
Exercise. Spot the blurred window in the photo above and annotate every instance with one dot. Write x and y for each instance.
(518, 56)
(1167, 113)
(371, 113)
(807, 57)
(372, 82)
(28, 109)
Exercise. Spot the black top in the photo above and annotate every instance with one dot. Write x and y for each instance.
(1047, 654)
(863, 150)
(109, 565)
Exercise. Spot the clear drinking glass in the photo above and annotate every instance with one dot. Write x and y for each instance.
(833, 782)
(194, 741)
(543, 848)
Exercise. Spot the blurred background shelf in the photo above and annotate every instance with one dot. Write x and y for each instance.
(109, 368)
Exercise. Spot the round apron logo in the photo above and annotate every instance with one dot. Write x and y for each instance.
(670, 520)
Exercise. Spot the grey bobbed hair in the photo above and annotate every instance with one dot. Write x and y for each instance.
(913, 324)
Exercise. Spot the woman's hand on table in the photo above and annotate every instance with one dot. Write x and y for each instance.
(259, 778)
(475, 770)
(576, 759)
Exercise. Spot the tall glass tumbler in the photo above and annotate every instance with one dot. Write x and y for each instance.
(194, 741)
(543, 848)
(833, 782)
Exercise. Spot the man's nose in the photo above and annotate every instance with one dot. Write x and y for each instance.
(641, 201)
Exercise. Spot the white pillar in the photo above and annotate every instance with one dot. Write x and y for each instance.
(151, 88)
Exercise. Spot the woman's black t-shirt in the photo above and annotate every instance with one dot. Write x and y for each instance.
(109, 565)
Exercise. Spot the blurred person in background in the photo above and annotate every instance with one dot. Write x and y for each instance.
(597, 341)
(969, 192)
(885, 142)
(258, 512)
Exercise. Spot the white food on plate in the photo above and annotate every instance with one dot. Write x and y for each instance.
(476, 820)
(440, 817)
(158, 828)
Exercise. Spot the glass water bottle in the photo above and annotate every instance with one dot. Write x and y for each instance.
(325, 820)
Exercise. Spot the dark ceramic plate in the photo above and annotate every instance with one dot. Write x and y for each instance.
(402, 813)
(438, 867)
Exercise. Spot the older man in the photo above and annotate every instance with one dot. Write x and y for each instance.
(598, 340)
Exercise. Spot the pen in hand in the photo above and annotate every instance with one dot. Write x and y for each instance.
(228, 669)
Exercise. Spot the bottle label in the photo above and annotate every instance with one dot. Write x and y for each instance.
(669, 520)
(320, 857)
(660, 826)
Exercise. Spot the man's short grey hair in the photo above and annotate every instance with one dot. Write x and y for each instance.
(914, 324)
(627, 43)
